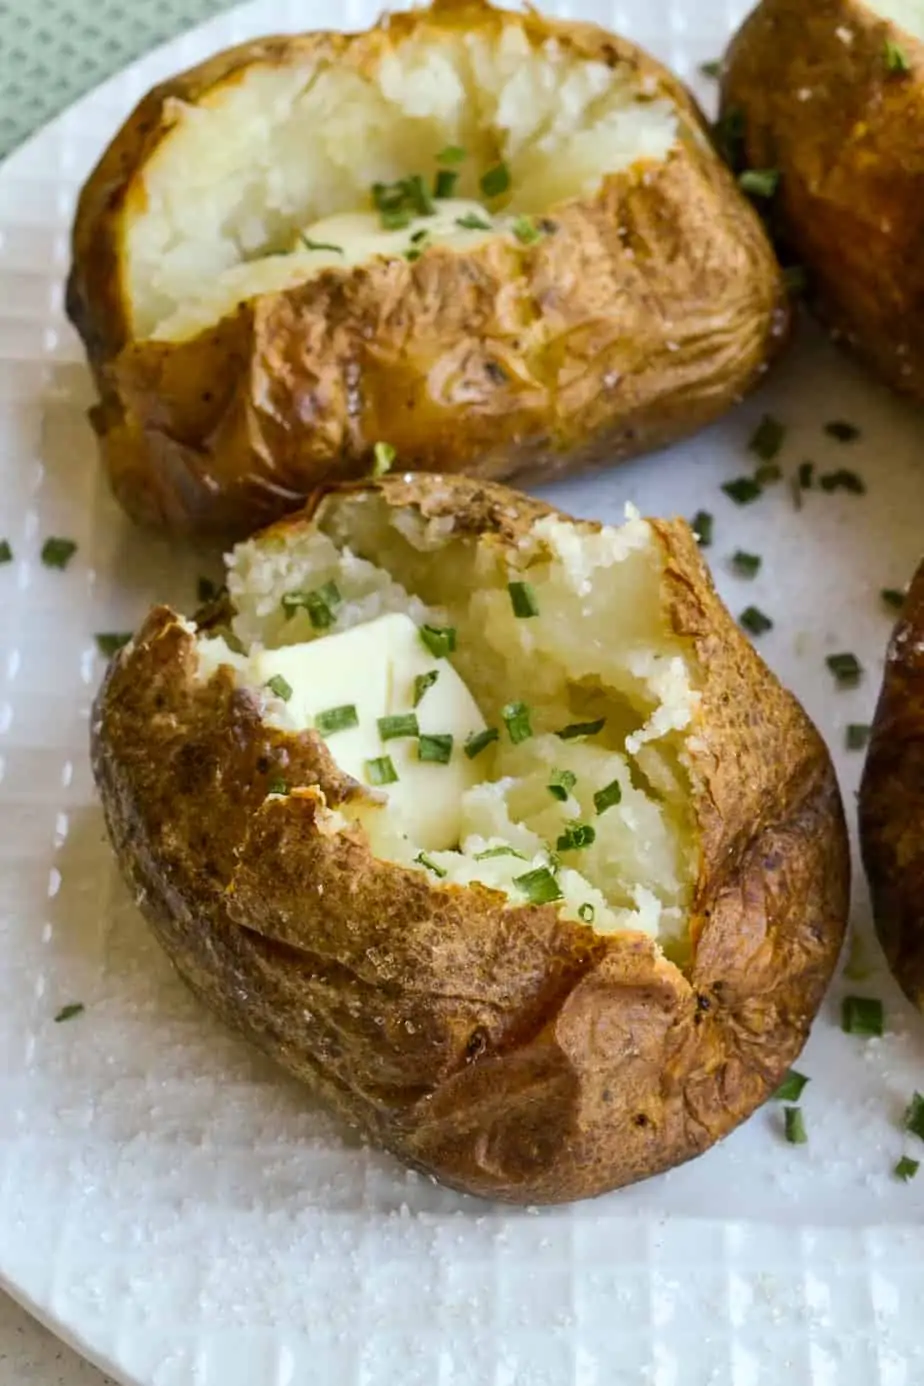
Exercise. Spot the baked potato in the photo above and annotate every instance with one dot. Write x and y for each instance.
(487, 823)
(495, 243)
(892, 800)
(829, 96)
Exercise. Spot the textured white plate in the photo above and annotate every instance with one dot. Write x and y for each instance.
(183, 1214)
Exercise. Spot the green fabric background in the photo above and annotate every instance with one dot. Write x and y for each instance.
(51, 51)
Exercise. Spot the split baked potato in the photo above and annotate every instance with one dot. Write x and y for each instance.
(487, 823)
(493, 242)
(892, 800)
(829, 97)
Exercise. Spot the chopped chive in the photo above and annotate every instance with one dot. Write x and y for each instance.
(495, 180)
(906, 1169)
(893, 598)
(309, 244)
(6, 551)
(452, 154)
(914, 1116)
(280, 686)
(742, 490)
(57, 553)
(526, 230)
(846, 668)
(805, 475)
(728, 133)
(277, 786)
(576, 729)
(896, 59)
(712, 68)
(499, 852)
(109, 643)
(400, 725)
(608, 796)
(754, 621)
(381, 770)
(68, 1012)
(561, 784)
(396, 219)
(431, 865)
(206, 589)
(419, 236)
(862, 1015)
(795, 1126)
(539, 886)
(319, 603)
(796, 280)
(412, 254)
(767, 473)
(790, 1090)
(419, 196)
(479, 741)
(516, 720)
(575, 836)
(747, 564)
(439, 640)
(759, 182)
(701, 525)
(422, 683)
(843, 431)
(336, 719)
(444, 184)
(767, 438)
(587, 913)
(435, 749)
(857, 736)
(843, 480)
(383, 455)
(523, 599)
(472, 222)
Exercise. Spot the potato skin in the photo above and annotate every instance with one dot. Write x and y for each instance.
(504, 361)
(847, 135)
(892, 800)
(507, 1052)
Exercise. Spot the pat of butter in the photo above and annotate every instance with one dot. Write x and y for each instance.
(372, 668)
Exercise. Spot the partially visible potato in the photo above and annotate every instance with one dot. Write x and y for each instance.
(830, 94)
(596, 286)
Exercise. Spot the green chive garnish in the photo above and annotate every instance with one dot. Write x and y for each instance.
(754, 621)
(395, 219)
(57, 553)
(577, 729)
(790, 1090)
(540, 886)
(846, 668)
(495, 181)
(516, 720)
(309, 244)
(439, 640)
(444, 184)
(452, 154)
(472, 222)
(499, 852)
(561, 784)
(747, 564)
(381, 770)
(526, 230)
(479, 741)
(862, 1015)
(742, 490)
(383, 455)
(280, 686)
(608, 796)
(843, 431)
(431, 865)
(206, 589)
(277, 786)
(435, 749)
(575, 836)
(896, 59)
(759, 182)
(587, 913)
(319, 603)
(701, 525)
(400, 725)
(712, 68)
(423, 682)
(68, 1012)
(108, 643)
(336, 719)
(893, 598)
(857, 736)
(795, 1126)
(523, 599)
(806, 475)
(412, 254)
(728, 133)
(767, 438)
(906, 1169)
(767, 473)
(914, 1116)
(6, 551)
(843, 480)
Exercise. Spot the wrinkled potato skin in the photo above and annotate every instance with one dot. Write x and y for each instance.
(504, 361)
(851, 155)
(892, 801)
(509, 1053)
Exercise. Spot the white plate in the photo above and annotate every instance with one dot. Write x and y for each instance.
(183, 1214)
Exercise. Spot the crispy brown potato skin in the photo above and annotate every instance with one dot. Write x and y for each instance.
(507, 1052)
(892, 800)
(504, 361)
(850, 204)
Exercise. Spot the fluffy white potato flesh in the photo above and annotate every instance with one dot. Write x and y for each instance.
(601, 813)
(280, 149)
(906, 14)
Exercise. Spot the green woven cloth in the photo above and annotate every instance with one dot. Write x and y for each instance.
(51, 51)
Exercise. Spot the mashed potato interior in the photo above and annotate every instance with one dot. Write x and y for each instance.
(907, 14)
(597, 657)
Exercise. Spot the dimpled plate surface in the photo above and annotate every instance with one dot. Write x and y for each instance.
(184, 1215)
